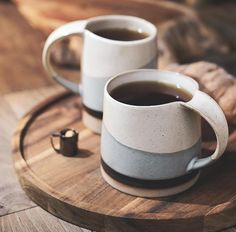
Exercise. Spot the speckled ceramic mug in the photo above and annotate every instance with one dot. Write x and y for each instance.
(102, 58)
(158, 145)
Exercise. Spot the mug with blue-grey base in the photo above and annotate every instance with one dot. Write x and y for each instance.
(151, 133)
(111, 44)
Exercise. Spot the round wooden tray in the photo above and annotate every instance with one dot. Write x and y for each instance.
(72, 188)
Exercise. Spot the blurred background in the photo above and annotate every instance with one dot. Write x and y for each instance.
(189, 30)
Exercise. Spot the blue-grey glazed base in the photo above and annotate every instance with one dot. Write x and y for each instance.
(144, 165)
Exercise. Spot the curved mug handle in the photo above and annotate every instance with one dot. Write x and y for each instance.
(66, 30)
(211, 111)
(57, 135)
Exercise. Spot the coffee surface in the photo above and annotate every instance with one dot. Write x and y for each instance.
(121, 34)
(147, 93)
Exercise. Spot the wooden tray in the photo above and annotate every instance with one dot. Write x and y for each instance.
(72, 187)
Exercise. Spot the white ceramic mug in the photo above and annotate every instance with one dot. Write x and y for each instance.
(158, 145)
(102, 58)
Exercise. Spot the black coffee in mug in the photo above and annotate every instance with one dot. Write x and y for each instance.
(148, 93)
(121, 34)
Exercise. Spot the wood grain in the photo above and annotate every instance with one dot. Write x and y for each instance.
(12, 197)
(73, 189)
(23, 101)
(13, 107)
(11, 80)
(36, 220)
(14, 204)
(20, 52)
(47, 15)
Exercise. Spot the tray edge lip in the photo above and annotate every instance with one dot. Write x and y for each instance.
(22, 125)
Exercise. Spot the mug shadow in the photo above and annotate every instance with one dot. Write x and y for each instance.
(83, 153)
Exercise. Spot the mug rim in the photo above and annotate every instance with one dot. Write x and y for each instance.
(176, 74)
(152, 35)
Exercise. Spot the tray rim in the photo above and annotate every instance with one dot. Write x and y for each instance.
(26, 175)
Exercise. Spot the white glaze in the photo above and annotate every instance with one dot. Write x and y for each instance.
(159, 130)
(103, 58)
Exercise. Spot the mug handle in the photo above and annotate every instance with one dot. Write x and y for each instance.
(66, 30)
(57, 135)
(213, 114)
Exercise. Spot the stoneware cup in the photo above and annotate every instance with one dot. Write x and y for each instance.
(155, 150)
(103, 58)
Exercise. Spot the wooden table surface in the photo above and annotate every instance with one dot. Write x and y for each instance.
(23, 84)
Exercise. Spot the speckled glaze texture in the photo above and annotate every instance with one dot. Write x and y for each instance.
(103, 58)
(157, 129)
(162, 141)
(145, 165)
